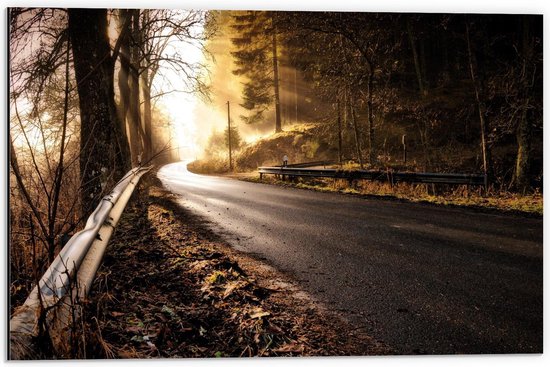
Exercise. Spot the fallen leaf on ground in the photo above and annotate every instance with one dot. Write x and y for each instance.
(290, 348)
(258, 313)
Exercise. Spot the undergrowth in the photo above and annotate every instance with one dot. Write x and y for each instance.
(427, 193)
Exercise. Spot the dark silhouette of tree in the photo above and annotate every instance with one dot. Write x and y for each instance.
(104, 152)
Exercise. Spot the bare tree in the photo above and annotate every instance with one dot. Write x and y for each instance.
(159, 30)
(42, 185)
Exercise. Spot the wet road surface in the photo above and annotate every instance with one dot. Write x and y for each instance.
(420, 278)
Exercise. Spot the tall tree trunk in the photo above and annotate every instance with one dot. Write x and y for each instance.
(147, 76)
(523, 137)
(283, 96)
(445, 56)
(136, 130)
(276, 78)
(423, 62)
(104, 153)
(295, 96)
(357, 133)
(60, 170)
(339, 131)
(124, 72)
(345, 120)
(370, 115)
(478, 91)
(147, 115)
(415, 57)
(524, 129)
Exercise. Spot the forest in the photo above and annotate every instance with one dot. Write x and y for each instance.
(88, 89)
(462, 92)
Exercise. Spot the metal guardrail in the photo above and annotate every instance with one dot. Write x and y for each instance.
(392, 177)
(309, 164)
(71, 273)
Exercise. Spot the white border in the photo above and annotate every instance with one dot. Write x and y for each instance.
(463, 6)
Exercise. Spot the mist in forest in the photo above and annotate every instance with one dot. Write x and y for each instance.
(212, 116)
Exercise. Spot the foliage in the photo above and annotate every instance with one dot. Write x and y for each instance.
(252, 58)
(218, 142)
(531, 205)
(418, 79)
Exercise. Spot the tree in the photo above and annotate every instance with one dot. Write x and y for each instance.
(104, 151)
(529, 78)
(346, 53)
(479, 88)
(157, 30)
(256, 57)
(236, 139)
(127, 85)
(42, 135)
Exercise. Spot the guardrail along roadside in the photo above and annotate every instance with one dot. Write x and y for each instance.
(392, 177)
(51, 306)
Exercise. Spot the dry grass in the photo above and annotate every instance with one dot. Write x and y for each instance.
(460, 196)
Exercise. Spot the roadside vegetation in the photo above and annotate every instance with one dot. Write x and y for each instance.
(304, 142)
(442, 93)
(462, 196)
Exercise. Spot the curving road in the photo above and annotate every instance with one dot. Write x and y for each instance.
(421, 278)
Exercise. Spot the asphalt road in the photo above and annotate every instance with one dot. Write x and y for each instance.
(420, 278)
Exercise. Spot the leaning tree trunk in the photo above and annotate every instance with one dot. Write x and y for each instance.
(104, 153)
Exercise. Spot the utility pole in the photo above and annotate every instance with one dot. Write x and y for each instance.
(229, 136)
(295, 98)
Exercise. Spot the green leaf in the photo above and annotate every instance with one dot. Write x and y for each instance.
(168, 310)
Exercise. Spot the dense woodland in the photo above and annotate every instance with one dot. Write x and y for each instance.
(462, 92)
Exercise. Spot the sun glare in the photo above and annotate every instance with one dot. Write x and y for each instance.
(184, 128)
(181, 106)
(252, 138)
(112, 31)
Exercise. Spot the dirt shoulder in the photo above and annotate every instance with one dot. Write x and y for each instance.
(169, 287)
(497, 203)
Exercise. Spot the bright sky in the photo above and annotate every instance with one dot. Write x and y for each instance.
(180, 106)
